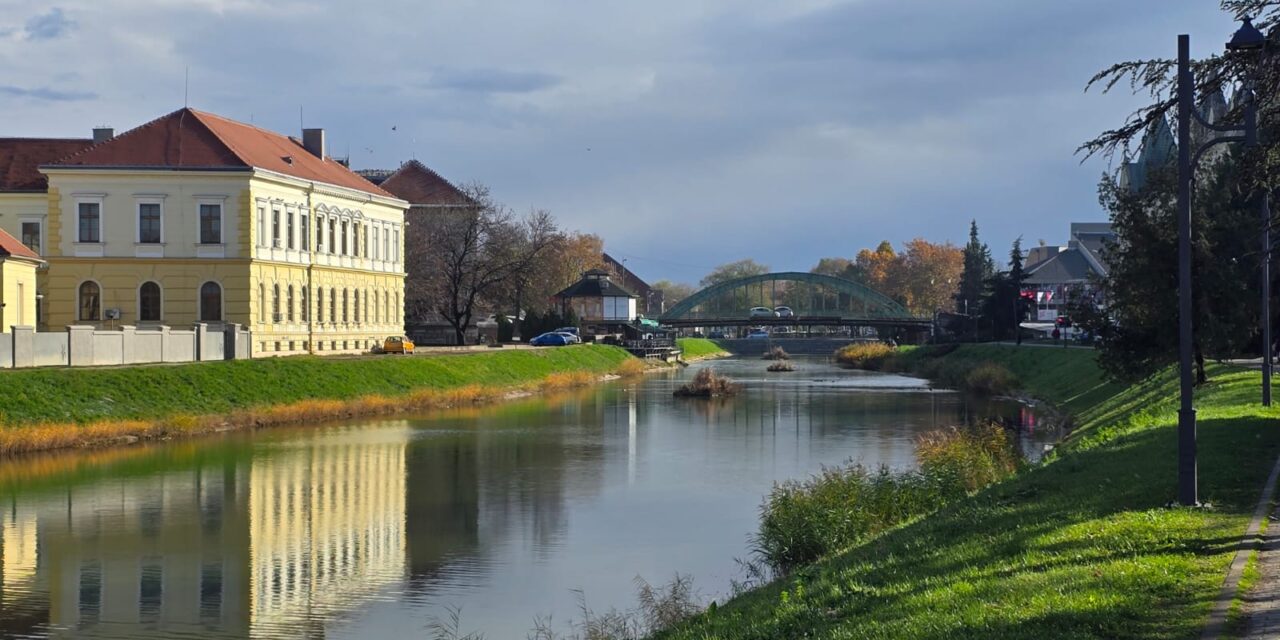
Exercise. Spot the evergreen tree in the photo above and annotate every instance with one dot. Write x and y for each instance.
(1002, 309)
(975, 276)
(1017, 279)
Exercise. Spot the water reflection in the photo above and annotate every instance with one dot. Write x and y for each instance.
(370, 529)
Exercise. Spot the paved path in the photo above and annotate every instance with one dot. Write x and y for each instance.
(1261, 606)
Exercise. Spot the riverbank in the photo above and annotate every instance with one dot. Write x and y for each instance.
(1081, 546)
(46, 409)
(694, 349)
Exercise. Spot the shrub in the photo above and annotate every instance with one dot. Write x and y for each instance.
(864, 355)
(707, 384)
(990, 379)
(777, 353)
(801, 522)
(781, 366)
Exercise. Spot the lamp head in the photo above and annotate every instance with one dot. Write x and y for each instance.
(1247, 37)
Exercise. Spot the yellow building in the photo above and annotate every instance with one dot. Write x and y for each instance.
(18, 266)
(196, 218)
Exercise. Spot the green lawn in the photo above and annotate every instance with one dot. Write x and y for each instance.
(693, 348)
(1080, 547)
(149, 392)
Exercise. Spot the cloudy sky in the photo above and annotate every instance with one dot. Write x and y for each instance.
(687, 133)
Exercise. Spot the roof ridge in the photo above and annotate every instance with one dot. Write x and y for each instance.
(200, 115)
(43, 139)
(129, 133)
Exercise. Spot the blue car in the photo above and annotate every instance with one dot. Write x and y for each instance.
(550, 340)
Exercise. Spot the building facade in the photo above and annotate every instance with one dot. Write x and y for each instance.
(197, 218)
(18, 266)
(601, 305)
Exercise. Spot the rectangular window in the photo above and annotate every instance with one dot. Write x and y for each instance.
(386, 244)
(319, 233)
(304, 230)
(289, 231)
(149, 222)
(262, 226)
(275, 228)
(376, 255)
(395, 245)
(90, 216)
(333, 235)
(345, 235)
(210, 224)
(31, 235)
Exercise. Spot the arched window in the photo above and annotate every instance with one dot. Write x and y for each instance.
(333, 306)
(149, 302)
(396, 310)
(306, 304)
(346, 306)
(210, 302)
(387, 315)
(262, 302)
(275, 303)
(319, 304)
(90, 301)
(377, 310)
(355, 306)
(289, 304)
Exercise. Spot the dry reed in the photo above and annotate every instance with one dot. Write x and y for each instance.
(631, 367)
(707, 384)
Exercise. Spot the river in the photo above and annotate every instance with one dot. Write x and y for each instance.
(507, 513)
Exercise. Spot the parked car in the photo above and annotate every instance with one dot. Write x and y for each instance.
(758, 334)
(762, 312)
(552, 339)
(784, 312)
(571, 337)
(573, 330)
(397, 344)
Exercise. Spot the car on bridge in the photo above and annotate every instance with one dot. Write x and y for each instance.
(758, 334)
(763, 312)
(784, 312)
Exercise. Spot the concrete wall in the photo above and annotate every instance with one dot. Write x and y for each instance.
(796, 346)
(81, 346)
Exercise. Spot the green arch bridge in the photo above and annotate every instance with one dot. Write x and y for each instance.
(814, 299)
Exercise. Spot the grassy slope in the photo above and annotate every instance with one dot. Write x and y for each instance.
(1081, 547)
(79, 395)
(699, 348)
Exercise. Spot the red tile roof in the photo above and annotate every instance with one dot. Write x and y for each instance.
(414, 182)
(21, 157)
(10, 246)
(190, 139)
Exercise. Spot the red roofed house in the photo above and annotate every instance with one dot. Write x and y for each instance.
(194, 217)
(18, 266)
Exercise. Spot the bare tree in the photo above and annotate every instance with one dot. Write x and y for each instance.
(458, 257)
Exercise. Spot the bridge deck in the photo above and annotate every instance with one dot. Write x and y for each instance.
(796, 321)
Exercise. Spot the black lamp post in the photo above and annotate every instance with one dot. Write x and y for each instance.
(1247, 38)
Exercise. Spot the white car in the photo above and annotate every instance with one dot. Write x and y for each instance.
(763, 312)
(784, 312)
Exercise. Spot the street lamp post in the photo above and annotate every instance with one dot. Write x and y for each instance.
(1246, 38)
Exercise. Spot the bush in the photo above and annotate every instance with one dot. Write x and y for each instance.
(708, 384)
(990, 379)
(865, 355)
(781, 365)
(801, 522)
(777, 353)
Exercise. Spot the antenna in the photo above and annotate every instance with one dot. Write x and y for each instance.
(186, 87)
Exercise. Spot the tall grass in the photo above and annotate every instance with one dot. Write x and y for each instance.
(803, 521)
(708, 384)
(631, 367)
(865, 355)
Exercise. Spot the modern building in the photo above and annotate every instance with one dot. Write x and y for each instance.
(651, 302)
(601, 305)
(1058, 274)
(18, 299)
(194, 217)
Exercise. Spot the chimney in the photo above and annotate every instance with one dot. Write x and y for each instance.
(313, 141)
(103, 134)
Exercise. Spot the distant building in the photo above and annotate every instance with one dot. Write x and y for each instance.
(1058, 274)
(194, 217)
(427, 193)
(602, 306)
(18, 302)
(650, 302)
(24, 191)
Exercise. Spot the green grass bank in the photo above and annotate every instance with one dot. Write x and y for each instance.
(699, 348)
(1081, 546)
(157, 392)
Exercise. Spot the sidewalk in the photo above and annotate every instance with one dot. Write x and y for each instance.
(1260, 608)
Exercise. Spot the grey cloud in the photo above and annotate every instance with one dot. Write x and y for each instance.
(45, 93)
(492, 80)
(49, 25)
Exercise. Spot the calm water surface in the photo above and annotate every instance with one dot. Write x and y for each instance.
(370, 530)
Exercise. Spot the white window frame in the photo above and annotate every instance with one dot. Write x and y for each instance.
(40, 222)
(304, 228)
(138, 201)
(277, 229)
(220, 202)
(263, 239)
(98, 200)
(290, 228)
